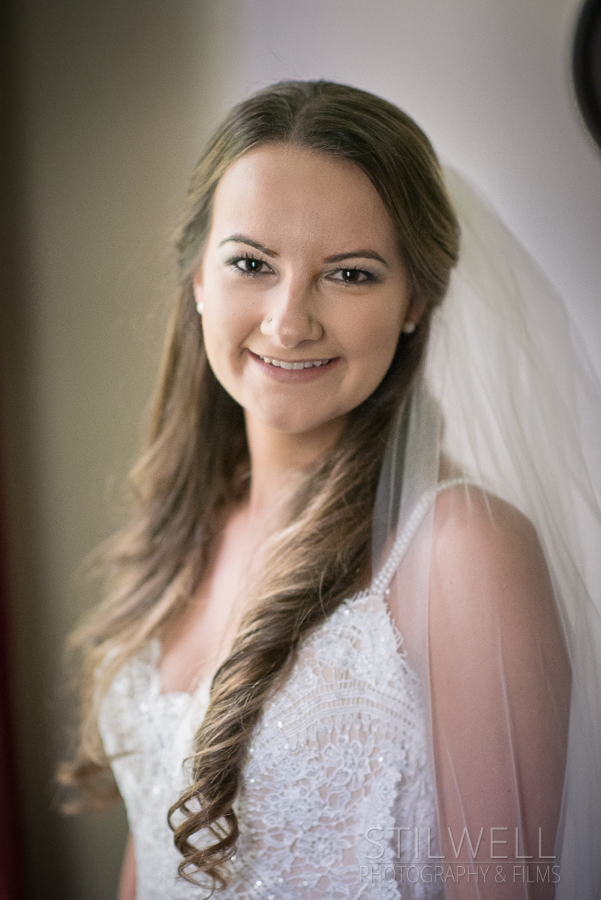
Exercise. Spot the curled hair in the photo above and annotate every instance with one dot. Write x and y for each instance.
(197, 455)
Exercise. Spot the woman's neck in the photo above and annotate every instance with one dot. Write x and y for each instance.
(278, 460)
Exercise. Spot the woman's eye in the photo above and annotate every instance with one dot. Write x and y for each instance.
(249, 265)
(352, 276)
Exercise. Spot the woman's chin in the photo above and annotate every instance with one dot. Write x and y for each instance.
(290, 423)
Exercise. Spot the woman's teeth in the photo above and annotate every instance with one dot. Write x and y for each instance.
(295, 365)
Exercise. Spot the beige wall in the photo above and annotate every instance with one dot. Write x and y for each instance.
(116, 99)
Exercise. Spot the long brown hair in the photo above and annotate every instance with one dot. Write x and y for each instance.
(197, 455)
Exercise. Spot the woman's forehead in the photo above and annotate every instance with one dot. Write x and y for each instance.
(294, 193)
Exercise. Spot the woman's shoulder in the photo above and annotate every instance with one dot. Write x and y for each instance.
(486, 554)
(467, 512)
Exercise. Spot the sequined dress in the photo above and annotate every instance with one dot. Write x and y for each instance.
(337, 799)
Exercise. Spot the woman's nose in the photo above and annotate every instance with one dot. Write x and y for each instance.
(291, 317)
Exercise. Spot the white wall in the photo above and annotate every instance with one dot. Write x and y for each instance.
(117, 100)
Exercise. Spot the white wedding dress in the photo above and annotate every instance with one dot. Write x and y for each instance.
(337, 799)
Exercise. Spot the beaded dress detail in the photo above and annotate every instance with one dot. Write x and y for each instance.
(337, 798)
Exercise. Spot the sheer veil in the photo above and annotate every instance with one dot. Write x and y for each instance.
(508, 400)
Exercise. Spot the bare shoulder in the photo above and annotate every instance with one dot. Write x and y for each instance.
(487, 557)
(467, 513)
(493, 613)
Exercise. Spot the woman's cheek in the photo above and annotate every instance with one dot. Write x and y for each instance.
(376, 336)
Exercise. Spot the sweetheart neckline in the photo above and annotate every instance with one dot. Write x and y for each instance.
(156, 682)
(155, 646)
(377, 588)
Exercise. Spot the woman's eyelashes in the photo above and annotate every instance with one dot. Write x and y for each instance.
(247, 264)
(348, 276)
(352, 275)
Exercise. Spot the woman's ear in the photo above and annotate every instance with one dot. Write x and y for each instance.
(413, 315)
(198, 290)
(417, 308)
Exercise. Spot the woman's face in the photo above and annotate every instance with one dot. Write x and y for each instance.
(303, 287)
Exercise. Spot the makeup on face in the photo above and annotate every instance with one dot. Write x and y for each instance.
(303, 287)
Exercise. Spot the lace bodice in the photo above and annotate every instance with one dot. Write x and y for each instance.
(336, 777)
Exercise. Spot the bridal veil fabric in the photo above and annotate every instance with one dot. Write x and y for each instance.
(508, 401)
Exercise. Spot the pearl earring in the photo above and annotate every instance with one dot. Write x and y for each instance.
(408, 328)
(200, 307)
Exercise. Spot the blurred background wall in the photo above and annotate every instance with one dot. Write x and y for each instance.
(109, 103)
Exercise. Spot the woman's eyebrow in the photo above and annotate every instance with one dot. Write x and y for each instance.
(365, 254)
(337, 257)
(243, 239)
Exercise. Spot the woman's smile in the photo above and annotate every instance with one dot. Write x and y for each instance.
(302, 364)
(303, 287)
(294, 371)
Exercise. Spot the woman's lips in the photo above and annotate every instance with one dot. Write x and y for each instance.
(297, 365)
(294, 371)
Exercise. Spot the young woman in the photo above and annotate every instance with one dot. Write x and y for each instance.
(348, 648)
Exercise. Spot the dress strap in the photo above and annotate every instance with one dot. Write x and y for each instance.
(382, 580)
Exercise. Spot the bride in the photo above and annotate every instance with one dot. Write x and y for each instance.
(348, 647)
